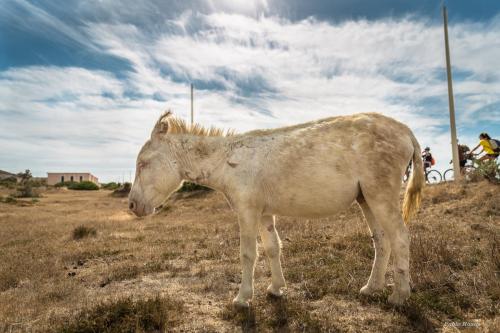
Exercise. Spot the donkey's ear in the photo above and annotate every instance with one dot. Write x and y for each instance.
(161, 126)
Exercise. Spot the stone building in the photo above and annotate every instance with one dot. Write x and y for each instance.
(58, 177)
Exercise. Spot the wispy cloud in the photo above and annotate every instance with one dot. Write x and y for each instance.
(22, 14)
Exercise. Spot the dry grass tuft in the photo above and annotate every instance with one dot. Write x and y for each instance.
(159, 314)
(83, 232)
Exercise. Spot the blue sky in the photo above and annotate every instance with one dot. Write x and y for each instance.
(82, 82)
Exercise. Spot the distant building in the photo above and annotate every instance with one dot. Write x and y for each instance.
(58, 177)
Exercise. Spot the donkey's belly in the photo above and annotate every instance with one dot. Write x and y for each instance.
(312, 200)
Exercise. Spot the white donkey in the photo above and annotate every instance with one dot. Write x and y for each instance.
(309, 170)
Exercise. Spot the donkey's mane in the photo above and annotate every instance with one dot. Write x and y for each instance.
(177, 125)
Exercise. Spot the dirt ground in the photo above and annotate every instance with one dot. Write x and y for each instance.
(188, 254)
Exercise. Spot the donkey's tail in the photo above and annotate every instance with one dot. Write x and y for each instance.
(413, 195)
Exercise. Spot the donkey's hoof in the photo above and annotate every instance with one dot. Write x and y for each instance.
(398, 298)
(240, 304)
(369, 290)
(274, 292)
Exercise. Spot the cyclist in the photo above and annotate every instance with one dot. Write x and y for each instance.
(484, 142)
(427, 159)
(463, 155)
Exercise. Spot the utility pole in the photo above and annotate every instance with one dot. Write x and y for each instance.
(192, 113)
(454, 142)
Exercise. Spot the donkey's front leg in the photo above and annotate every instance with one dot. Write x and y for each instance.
(272, 246)
(248, 220)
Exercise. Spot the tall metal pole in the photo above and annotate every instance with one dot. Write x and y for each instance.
(192, 113)
(454, 142)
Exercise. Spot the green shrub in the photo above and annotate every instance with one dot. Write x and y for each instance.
(111, 186)
(64, 184)
(83, 186)
(159, 314)
(25, 190)
(9, 182)
(38, 182)
(489, 170)
(83, 231)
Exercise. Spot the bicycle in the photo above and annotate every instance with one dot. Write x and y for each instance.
(467, 170)
(489, 169)
(432, 176)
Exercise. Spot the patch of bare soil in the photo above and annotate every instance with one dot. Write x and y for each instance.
(179, 270)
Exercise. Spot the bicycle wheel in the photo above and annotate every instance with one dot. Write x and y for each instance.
(433, 177)
(449, 175)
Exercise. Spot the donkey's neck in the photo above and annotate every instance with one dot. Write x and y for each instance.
(202, 159)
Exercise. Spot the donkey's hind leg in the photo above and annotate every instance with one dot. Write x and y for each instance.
(387, 212)
(382, 246)
(272, 247)
(400, 243)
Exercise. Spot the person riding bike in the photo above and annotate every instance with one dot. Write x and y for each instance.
(464, 155)
(485, 141)
(427, 159)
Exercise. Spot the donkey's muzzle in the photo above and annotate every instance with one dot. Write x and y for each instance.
(136, 208)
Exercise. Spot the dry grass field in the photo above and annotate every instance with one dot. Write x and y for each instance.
(77, 261)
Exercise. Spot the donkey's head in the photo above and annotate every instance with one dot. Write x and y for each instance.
(157, 173)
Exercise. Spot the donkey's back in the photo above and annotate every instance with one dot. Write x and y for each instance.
(318, 168)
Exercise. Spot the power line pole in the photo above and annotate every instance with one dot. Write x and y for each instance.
(454, 142)
(192, 113)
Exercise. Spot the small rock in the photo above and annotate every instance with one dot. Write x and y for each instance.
(81, 262)
(71, 273)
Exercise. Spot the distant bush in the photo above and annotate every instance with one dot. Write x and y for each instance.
(191, 187)
(63, 184)
(123, 191)
(159, 314)
(9, 182)
(83, 186)
(26, 191)
(38, 182)
(111, 186)
(25, 188)
(489, 170)
(83, 231)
